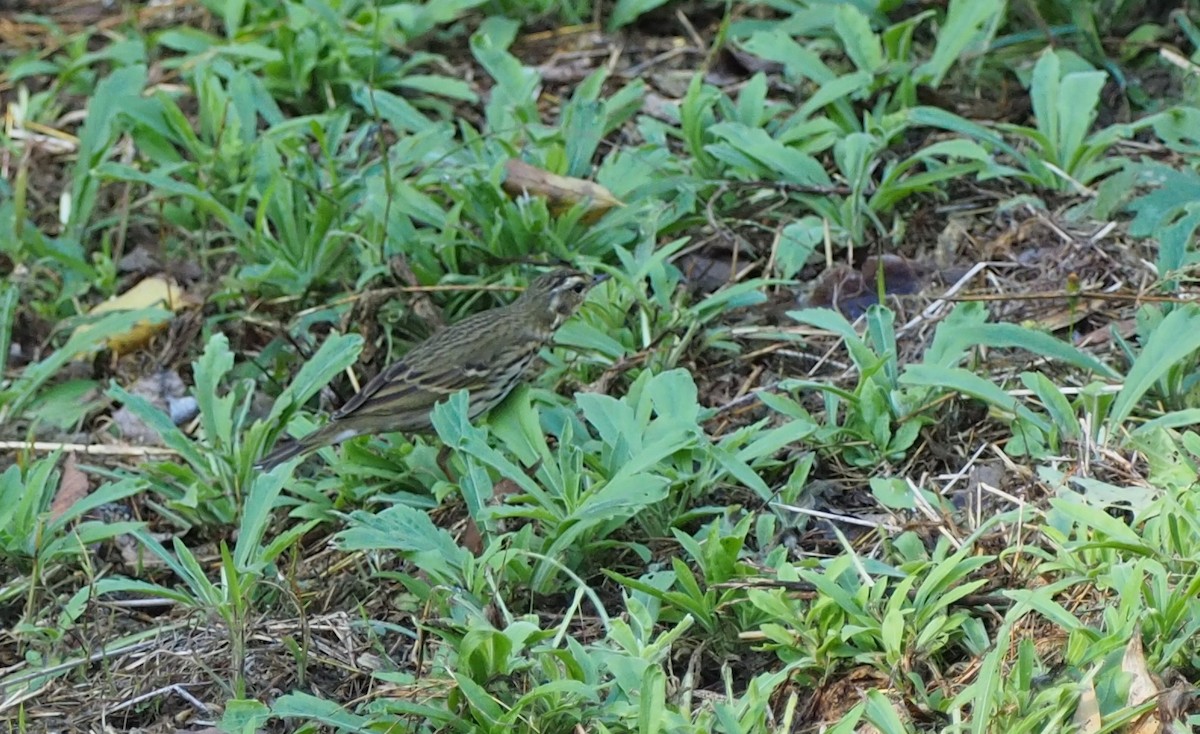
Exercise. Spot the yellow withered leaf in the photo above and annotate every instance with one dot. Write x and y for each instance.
(561, 192)
(148, 293)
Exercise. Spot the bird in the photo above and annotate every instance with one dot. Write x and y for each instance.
(488, 354)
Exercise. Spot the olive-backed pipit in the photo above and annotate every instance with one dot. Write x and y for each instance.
(487, 354)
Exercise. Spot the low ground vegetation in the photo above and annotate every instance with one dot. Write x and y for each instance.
(884, 420)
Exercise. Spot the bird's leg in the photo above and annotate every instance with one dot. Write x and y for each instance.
(443, 458)
(533, 470)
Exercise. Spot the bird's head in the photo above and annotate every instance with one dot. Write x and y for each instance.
(554, 296)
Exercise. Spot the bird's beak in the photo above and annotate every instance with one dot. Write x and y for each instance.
(598, 279)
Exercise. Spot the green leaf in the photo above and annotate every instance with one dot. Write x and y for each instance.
(968, 383)
(1169, 345)
(1057, 405)
(836, 91)
(122, 586)
(513, 101)
(336, 354)
(1174, 419)
(232, 13)
(970, 25)
(627, 11)
(740, 470)
(935, 117)
(752, 101)
(778, 45)
(244, 716)
(613, 419)
(482, 707)
(788, 162)
(409, 531)
(1042, 603)
(652, 704)
(894, 494)
(394, 109)
(1078, 101)
(160, 181)
(105, 105)
(882, 713)
(9, 297)
(797, 242)
(582, 129)
(102, 495)
(159, 422)
(952, 341)
(454, 427)
(23, 496)
(861, 43)
(216, 411)
(443, 86)
(832, 321)
(81, 341)
(256, 518)
(309, 708)
(623, 496)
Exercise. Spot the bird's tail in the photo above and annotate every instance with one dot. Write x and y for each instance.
(328, 434)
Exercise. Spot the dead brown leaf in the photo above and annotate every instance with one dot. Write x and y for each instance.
(1087, 714)
(1142, 686)
(853, 291)
(1175, 704)
(72, 487)
(422, 305)
(150, 292)
(561, 192)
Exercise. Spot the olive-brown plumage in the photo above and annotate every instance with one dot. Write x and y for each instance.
(487, 354)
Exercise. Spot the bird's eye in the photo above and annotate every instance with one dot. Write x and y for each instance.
(578, 287)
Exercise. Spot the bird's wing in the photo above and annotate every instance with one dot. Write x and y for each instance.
(403, 388)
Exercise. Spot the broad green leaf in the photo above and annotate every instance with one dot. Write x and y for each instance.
(789, 163)
(881, 712)
(1056, 404)
(308, 708)
(442, 86)
(102, 495)
(613, 419)
(1079, 98)
(801, 62)
(970, 26)
(952, 341)
(1044, 95)
(336, 354)
(159, 422)
(160, 181)
(244, 716)
(627, 11)
(935, 117)
(256, 517)
(100, 128)
(9, 297)
(861, 43)
(653, 701)
(832, 321)
(582, 128)
(1174, 340)
(481, 707)
(81, 341)
(968, 383)
(409, 531)
(216, 410)
(397, 111)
